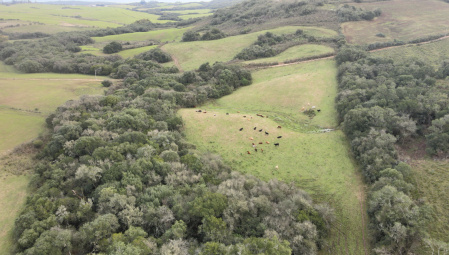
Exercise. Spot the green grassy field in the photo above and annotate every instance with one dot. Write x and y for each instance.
(17, 127)
(300, 51)
(190, 55)
(400, 19)
(136, 51)
(73, 16)
(434, 52)
(12, 196)
(318, 162)
(26, 99)
(432, 179)
(171, 34)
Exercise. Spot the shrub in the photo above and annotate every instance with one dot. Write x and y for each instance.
(112, 47)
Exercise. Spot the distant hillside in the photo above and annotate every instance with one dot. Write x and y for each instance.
(253, 15)
(216, 4)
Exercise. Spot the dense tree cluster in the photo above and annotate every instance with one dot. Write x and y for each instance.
(112, 47)
(269, 44)
(257, 11)
(118, 177)
(381, 103)
(156, 55)
(213, 34)
(351, 13)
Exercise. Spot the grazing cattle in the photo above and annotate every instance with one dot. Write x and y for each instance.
(248, 152)
(267, 133)
(267, 142)
(199, 111)
(241, 129)
(276, 144)
(215, 114)
(255, 128)
(260, 142)
(280, 136)
(227, 113)
(279, 127)
(251, 138)
(255, 149)
(204, 112)
(244, 116)
(261, 150)
(319, 110)
(238, 112)
(260, 130)
(276, 167)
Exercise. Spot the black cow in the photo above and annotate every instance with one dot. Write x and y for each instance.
(241, 129)
(267, 133)
(260, 130)
(276, 144)
(255, 128)
(280, 136)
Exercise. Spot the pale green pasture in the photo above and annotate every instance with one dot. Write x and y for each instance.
(48, 29)
(101, 17)
(318, 162)
(171, 34)
(434, 53)
(197, 11)
(295, 52)
(18, 127)
(136, 51)
(193, 16)
(92, 49)
(13, 192)
(191, 55)
(28, 92)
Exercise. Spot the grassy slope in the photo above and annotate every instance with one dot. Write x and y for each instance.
(400, 19)
(190, 55)
(64, 16)
(172, 34)
(300, 51)
(26, 92)
(435, 52)
(12, 196)
(317, 162)
(432, 178)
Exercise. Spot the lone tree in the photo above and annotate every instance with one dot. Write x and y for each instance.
(112, 47)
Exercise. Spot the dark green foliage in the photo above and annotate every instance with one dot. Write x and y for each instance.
(190, 36)
(352, 13)
(106, 83)
(156, 55)
(213, 34)
(381, 102)
(438, 137)
(112, 47)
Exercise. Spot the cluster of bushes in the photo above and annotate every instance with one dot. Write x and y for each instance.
(156, 55)
(169, 16)
(213, 34)
(269, 44)
(20, 36)
(259, 11)
(381, 103)
(351, 13)
(118, 177)
(112, 47)
(380, 45)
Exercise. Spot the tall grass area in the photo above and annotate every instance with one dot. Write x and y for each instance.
(401, 19)
(12, 197)
(17, 127)
(434, 52)
(432, 182)
(295, 52)
(191, 55)
(318, 162)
